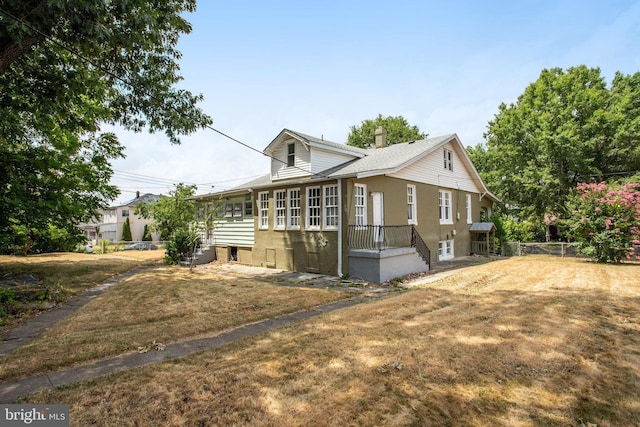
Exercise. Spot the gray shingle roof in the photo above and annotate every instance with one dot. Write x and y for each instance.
(369, 162)
(312, 140)
(328, 143)
(145, 198)
(390, 158)
(482, 227)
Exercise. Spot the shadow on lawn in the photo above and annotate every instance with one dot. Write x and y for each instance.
(546, 358)
(560, 356)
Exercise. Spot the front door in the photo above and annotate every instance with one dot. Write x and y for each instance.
(378, 216)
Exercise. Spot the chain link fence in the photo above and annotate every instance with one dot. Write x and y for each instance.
(561, 249)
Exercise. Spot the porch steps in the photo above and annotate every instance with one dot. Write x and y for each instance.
(204, 255)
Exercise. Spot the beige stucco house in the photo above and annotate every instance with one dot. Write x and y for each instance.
(374, 213)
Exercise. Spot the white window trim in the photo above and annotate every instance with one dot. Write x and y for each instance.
(290, 217)
(325, 208)
(363, 217)
(448, 159)
(279, 211)
(412, 205)
(291, 157)
(263, 210)
(469, 211)
(445, 208)
(445, 250)
(307, 224)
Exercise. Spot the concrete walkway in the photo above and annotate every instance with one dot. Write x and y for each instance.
(25, 333)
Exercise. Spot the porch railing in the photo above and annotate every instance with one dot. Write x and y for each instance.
(381, 237)
(482, 247)
(420, 245)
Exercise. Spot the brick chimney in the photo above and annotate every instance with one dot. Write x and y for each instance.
(381, 137)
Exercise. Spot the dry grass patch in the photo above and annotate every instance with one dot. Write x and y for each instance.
(66, 273)
(520, 342)
(166, 304)
(75, 271)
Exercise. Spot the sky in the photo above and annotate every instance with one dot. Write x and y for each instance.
(322, 67)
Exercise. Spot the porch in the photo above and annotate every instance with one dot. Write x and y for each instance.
(380, 253)
(483, 238)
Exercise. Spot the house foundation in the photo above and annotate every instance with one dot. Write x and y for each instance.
(381, 266)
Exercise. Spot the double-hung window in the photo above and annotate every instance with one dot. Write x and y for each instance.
(412, 214)
(293, 211)
(263, 210)
(360, 203)
(468, 204)
(330, 207)
(448, 159)
(314, 211)
(444, 203)
(280, 209)
(291, 154)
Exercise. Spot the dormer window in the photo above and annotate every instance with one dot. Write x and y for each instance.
(291, 154)
(448, 159)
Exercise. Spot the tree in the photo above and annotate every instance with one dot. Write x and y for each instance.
(172, 213)
(126, 231)
(146, 234)
(566, 128)
(605, 220)
(99, 63)
(398, 130)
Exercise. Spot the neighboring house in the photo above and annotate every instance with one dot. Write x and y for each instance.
(109, 227)
(374, 213)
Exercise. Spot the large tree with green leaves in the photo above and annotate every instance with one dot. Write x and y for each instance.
(398, 130)
(567, 127)
(67, 68)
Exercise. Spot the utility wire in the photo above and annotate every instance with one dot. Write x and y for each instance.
(144, 91)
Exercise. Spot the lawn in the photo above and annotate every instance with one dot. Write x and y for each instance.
(519, 342)
(77, 271)
(67, 274)
(162, 305)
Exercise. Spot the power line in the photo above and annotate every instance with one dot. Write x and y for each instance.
(164, 182)
(146, 92)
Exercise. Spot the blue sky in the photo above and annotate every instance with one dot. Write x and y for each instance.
(322, 67)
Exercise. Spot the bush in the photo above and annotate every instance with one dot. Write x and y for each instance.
(126, 231)
(146, 234)
(180, 245)
(25, 241)
(605, 220)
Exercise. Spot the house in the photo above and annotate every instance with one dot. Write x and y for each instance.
(111, 221)
(375, 213)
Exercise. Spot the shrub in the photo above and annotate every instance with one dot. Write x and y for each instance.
(126, 231)
(605, 220)
(180, 245)
(146, 234)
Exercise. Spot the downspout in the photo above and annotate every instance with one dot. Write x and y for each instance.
(340, 227)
